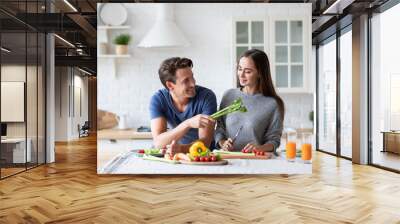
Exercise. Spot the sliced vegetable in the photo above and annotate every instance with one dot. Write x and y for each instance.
(169, 157)
(149, 157)
(218, 156)
(181, 156)
(151, 151)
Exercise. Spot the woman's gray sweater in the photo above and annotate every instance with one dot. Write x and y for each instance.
(262, 123)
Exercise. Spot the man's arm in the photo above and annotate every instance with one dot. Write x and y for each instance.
(206, 134)
(161, 136)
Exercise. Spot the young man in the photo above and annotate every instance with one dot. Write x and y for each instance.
(182, 106)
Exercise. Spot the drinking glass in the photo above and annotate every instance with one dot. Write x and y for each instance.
(291, 146)
(306, 147)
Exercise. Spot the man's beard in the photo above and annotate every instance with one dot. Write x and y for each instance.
(191, 92)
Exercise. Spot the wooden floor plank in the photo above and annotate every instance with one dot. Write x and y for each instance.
(70, 191)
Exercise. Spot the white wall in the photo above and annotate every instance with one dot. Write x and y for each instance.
(66, 120)
(33, 127)
(298, 107)
(209, 29)
(61, 103)
(17, 73)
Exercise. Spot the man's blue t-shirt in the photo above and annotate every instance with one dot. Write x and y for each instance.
(204, 102)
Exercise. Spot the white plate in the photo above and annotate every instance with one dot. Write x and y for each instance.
(113, 14)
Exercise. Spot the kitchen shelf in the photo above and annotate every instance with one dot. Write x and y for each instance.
(104, 34)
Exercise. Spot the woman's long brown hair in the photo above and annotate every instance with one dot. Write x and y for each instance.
(265, 84)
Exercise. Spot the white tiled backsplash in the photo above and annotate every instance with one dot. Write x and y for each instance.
(298, 107)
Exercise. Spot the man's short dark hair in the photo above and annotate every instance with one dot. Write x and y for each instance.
(168, 67)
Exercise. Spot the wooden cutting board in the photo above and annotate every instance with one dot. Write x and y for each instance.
(241, 155)
(153, 158)
(216, 163)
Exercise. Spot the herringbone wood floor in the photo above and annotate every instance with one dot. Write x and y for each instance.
(70, 191)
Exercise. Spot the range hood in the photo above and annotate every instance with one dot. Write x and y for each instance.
(164, 33)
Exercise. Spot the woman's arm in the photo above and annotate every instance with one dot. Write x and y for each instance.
(220, 131)
(273, 133)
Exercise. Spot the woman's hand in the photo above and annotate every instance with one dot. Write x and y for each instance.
(226, 145)
(250, 147)
(268, 147)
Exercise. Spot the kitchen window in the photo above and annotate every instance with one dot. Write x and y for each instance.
(327, 96)
(385, 90)
(346, 92)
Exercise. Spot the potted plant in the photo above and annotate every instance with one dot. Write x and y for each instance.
(311, 116)
(121, 42)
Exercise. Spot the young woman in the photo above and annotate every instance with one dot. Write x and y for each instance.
(261, 126)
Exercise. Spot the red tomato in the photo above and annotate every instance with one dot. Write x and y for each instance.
(213, 158)
(141, 151)
(197, 159)
(202, 159)
(206, 159)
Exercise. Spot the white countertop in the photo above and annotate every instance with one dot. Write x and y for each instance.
(123, 134)
(129, 163)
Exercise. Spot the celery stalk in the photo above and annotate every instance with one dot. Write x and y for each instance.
(236, 105)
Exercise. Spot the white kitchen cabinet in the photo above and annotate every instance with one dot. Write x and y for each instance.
(285, 35)
(248, 34)
(290, 53)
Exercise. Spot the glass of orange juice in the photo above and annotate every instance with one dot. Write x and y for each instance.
(291, 139)
(306, 147)
(291, 151)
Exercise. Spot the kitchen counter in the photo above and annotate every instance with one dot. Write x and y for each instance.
(130, 163)
(122, 134)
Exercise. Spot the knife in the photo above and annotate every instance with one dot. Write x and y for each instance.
(237, 133)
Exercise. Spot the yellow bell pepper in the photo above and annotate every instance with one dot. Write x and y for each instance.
(198, 149)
